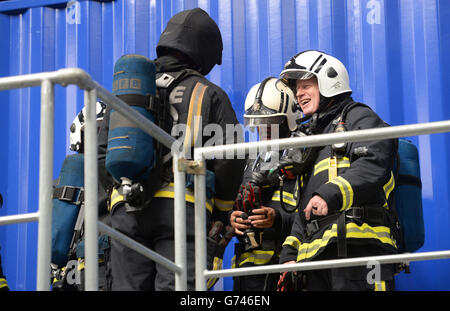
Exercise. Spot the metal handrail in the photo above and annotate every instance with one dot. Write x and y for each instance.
(92, 90)
(307, 141)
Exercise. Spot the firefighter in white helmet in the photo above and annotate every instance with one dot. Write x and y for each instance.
(260, 224)
(68, 220)
(344, 208)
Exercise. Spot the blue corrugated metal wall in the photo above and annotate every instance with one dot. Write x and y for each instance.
(396, 52)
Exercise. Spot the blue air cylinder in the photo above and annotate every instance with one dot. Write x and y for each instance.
(130, 152)
(66, 206)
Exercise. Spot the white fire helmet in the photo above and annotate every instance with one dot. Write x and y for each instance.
(268, 104)
(77, 127)
(332, 76)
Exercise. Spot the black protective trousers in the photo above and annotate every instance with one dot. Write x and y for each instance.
(371, 277)
(154, 228)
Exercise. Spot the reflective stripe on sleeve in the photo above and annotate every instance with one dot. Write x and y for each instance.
(256, 257)
(389, 186)
(288, 198)
(346, 192)
(3, 283)
(222, 205)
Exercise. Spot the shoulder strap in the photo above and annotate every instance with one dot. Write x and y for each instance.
(349, 107)
(166, 80)
(165, 83)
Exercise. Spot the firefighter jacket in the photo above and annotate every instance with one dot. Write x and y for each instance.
(196, 103)
(272, 238)
(3, 282)
(356, 184)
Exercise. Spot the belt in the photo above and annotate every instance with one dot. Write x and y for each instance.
(371, 214)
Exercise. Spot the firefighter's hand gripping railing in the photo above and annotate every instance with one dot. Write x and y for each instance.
(92, 91)
(201, 272)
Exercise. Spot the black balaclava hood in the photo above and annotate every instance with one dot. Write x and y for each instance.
(195, 34)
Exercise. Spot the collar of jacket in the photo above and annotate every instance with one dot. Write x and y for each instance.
(169, 63)
(329, 113)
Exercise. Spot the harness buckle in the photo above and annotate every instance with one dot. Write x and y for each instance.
(312, 227)
(355, 212)
(71, 194)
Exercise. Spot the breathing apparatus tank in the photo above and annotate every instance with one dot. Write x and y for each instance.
(68, 193)
(67, 198)
(130, 155)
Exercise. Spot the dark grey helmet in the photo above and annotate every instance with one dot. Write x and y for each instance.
(195, 34)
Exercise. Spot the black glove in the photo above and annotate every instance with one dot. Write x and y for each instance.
(220, 235)
(296, 162)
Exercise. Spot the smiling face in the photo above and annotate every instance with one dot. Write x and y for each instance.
(308, 95)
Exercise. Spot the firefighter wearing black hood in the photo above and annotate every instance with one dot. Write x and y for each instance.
(189, 47)
(345, 198)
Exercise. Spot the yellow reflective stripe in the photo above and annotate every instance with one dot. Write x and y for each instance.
(346, 192)
(80, 266)
(308, 250)
(321, 166)
(217, 265)
(324, 165)
(233, 262)
(380, 286)
(332, 168)
(3, 283)
(223, 205)
(168, 193)
(292, 241)
(256, 257)
(389, 186)
(288, 198)
(194, 114)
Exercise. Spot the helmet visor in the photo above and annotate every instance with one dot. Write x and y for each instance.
(297, 75)
(289, 78)
(259, 109)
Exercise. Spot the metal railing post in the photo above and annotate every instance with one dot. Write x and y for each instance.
(45, 185)
(200, 229)
(90, 188)
(179, 178)
(93, 90)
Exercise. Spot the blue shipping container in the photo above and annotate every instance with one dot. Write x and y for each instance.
(396, 52)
